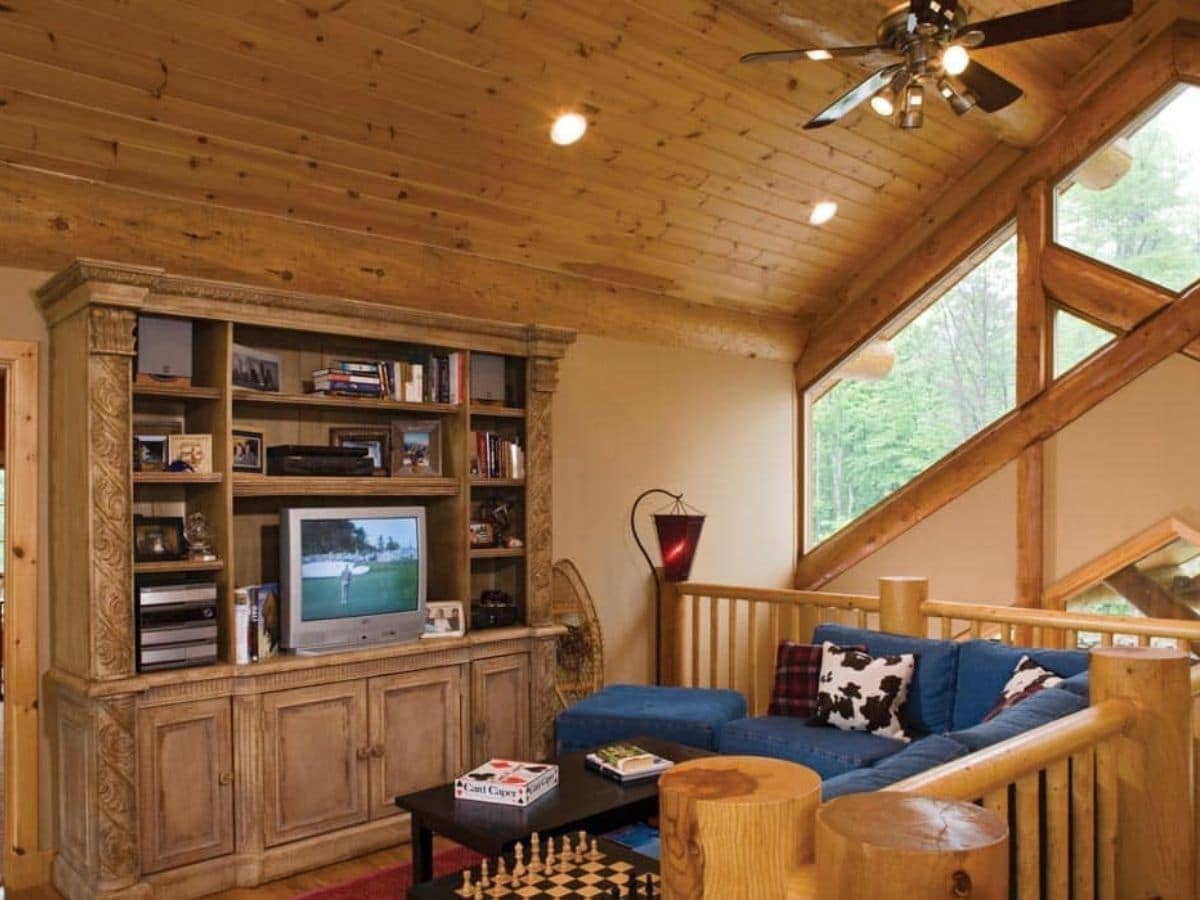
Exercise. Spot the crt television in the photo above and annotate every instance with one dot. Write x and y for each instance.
(352, 577)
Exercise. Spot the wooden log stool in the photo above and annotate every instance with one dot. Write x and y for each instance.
(735, 827)
(885, 844)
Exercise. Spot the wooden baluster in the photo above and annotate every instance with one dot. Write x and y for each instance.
(1106, 821)
(797, 631)
(695, 641)
(714, 638)
(1106, 639)
(733, 644)
(1005, 634)
(1083, 824)
(997, 802)
(1143, 640)
(1037, 635)
(1029, 839)
(943, 628)
(1071, 639)
(1058, 833)
(860, 619)
(976, 629)
(755, 649)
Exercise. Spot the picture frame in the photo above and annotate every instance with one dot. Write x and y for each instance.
(151, 452)
(158, 539)
(149, 423)
(256, 370)
(248, 455)
(376, 441)
(190, 452)
(417, 447)
(445, 620)
(482, 534)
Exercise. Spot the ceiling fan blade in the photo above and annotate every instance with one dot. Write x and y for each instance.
(848, 101)
(1047, 20)
(816, 54)
(991, 90)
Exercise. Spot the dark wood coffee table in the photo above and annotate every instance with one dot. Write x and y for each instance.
(582, 799)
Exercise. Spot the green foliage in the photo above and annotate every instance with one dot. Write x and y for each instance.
(1075, 339)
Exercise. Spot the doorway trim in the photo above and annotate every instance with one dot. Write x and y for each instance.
(25, 863)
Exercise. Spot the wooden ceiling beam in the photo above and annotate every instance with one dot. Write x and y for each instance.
(46, 220)
(1165, 332)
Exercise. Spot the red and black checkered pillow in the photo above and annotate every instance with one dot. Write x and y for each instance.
(797, 676)
(1027, 679)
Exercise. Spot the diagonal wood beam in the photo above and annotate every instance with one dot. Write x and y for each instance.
(1150, 597)
(1103, 294)
(1165, 332)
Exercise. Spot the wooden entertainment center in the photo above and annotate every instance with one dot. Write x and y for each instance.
(186, 781)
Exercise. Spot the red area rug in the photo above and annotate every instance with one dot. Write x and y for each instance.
(390, 883)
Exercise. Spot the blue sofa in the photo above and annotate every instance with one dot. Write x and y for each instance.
(954, 686)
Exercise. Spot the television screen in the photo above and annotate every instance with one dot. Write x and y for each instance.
(353, 567)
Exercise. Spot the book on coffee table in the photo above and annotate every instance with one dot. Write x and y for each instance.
(507, 782)
(626, 762)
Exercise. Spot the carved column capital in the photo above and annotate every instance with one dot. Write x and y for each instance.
(543, 374)
(111, 330)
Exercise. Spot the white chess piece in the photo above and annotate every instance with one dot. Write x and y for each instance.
(518, 861)
(484, 881)
(501, 872)
(467, 888)
(550, 854)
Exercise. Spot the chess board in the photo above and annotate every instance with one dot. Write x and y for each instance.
(592, 879)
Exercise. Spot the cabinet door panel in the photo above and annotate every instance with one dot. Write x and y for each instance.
(416, 733)
(315, 753)
(500, 708)
(186, 783)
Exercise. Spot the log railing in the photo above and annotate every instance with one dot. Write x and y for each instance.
(1100, 804)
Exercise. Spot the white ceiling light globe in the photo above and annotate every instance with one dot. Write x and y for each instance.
(955, 60)
(823, 212)
(883, 105)
(568, 128)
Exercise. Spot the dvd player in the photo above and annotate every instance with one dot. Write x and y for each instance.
(177, 625)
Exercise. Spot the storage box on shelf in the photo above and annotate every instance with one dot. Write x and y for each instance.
(293, 761)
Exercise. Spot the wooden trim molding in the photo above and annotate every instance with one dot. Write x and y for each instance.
(1165, 332)
(25, 863)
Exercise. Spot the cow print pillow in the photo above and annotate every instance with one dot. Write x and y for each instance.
(859, 692)
(1027, 679)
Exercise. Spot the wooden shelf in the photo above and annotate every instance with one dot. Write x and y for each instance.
(327, 401)
(177, 565)
(318, 486)
(499, 412)
(477, 481)
(176, 392)
(177, 478)
(498, 553)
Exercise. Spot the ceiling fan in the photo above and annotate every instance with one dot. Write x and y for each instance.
(932, 39)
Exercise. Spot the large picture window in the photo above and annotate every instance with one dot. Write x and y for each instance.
(874, 424)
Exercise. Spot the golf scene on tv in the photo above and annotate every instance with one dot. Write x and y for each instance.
(358, 567)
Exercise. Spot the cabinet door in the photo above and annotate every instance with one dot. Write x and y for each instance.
(315, 754)
(416, 733)
(186, 783)
(500, 708)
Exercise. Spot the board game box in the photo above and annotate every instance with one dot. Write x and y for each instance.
(507, 782)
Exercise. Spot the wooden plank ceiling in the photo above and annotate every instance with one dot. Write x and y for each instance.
(424, 123)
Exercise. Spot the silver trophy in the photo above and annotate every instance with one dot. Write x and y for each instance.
(199, 537)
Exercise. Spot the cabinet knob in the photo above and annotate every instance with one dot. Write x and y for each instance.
(364, 752)
(225, 778)
(377, 751)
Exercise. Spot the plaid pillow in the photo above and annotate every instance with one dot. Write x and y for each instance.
(1027, 679)
(797, 673)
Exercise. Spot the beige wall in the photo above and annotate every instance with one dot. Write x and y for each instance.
(1113, 472)
(717, 428)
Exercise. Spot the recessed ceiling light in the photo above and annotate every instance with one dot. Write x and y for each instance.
(568, 128)
(823, 212)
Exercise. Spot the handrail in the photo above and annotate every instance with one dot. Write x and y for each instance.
(782, 596)
(1063, 620)
(1008, 761)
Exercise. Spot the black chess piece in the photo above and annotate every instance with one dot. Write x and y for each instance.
(649, 886)
(616, 892)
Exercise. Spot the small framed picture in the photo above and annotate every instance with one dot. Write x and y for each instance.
(482, 534)
(444, 620)
(248, 452)
(377, 442)
(150, 453)
(417, 447)
(146, 423)
(190, 453)
(256, 370)
(157, 539)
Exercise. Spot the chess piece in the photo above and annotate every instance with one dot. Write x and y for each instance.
(501, 872)
(467, 889)
(518, 861)
(550, 854)
(535, 853)
(616, 892)
(484, 881)
(594, 853)
(564, 847)
(478, 892)
(580, 847)
(649, 886)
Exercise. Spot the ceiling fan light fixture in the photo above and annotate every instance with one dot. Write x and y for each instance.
(960, 101)
(823, 212)
(818, 55)
(568, 128)
(912, 113)
(955, 59)
(884, 103)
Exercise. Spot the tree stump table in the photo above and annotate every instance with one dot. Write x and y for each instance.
(735, 827)
(892, 845)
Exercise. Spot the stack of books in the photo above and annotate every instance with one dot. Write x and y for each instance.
(257, 622)
(497, 456)
(438, 379)
(507, 782)
(626, 763)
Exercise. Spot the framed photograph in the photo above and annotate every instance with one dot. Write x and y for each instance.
(147, 423)
(193, 451)
(150, 453)
(376, 441)
(248, 452)
(482, 534)
(158, 539)
(417, 447)
(444, 620)
(256, 370)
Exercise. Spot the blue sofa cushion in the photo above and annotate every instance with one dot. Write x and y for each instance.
(912, 760)
(1043, 707)
(984, 667)
(931, 695)
(689, 716)
(827, 751)
(1077, 684)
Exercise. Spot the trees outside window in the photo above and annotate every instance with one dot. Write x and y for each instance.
(1075, 339)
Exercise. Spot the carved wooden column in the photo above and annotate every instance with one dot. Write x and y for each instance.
(542, 708)
(118, 855)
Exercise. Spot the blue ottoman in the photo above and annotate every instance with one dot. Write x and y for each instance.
(689, 716)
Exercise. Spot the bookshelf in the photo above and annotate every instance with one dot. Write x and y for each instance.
(442, 703)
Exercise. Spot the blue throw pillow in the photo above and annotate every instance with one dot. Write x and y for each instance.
(931, 695)
(984, 667)
(1040, 709)
(914, 759)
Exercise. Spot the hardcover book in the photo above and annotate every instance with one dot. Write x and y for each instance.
(626, 762)
(507, 782)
